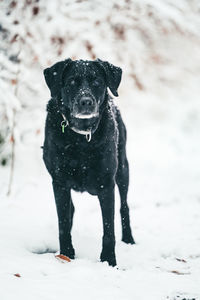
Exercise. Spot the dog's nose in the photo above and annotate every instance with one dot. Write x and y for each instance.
(86, 102)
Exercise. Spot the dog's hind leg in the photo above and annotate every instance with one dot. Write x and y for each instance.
(122, 180)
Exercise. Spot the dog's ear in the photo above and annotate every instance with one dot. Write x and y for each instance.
(113, 75)
(53, 76)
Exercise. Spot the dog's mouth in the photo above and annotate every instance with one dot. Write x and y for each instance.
(84, 122)
(86, 115)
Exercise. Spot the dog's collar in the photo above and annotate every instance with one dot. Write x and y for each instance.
(65, 123)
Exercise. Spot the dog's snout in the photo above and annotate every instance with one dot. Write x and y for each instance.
(86, 101)
(85, 105)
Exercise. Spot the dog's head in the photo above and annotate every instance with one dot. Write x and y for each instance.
(79, 89)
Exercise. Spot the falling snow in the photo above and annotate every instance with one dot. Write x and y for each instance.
(157, 45)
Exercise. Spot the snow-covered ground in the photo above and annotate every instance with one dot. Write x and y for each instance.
(160, 106)
(164, 199)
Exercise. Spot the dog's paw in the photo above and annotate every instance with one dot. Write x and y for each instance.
(110, 259)
(128, 239)
(69, 252)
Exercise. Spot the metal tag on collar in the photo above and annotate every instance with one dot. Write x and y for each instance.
(88, 136)
(64, 124)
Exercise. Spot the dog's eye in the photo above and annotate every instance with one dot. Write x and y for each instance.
(72, 82)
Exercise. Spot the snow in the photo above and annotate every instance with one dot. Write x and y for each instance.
(163, 125)
(164, 203)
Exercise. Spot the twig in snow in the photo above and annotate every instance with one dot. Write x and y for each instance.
(12, 139)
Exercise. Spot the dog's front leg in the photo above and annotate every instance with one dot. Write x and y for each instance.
(64, 210)
(106, 198)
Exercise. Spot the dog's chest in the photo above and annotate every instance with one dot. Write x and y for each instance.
(81, 168)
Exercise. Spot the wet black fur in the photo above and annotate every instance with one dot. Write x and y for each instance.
(95, 166)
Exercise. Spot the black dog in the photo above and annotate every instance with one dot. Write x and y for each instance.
(84, 147)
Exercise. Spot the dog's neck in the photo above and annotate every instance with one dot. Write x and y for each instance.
(65, 123)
